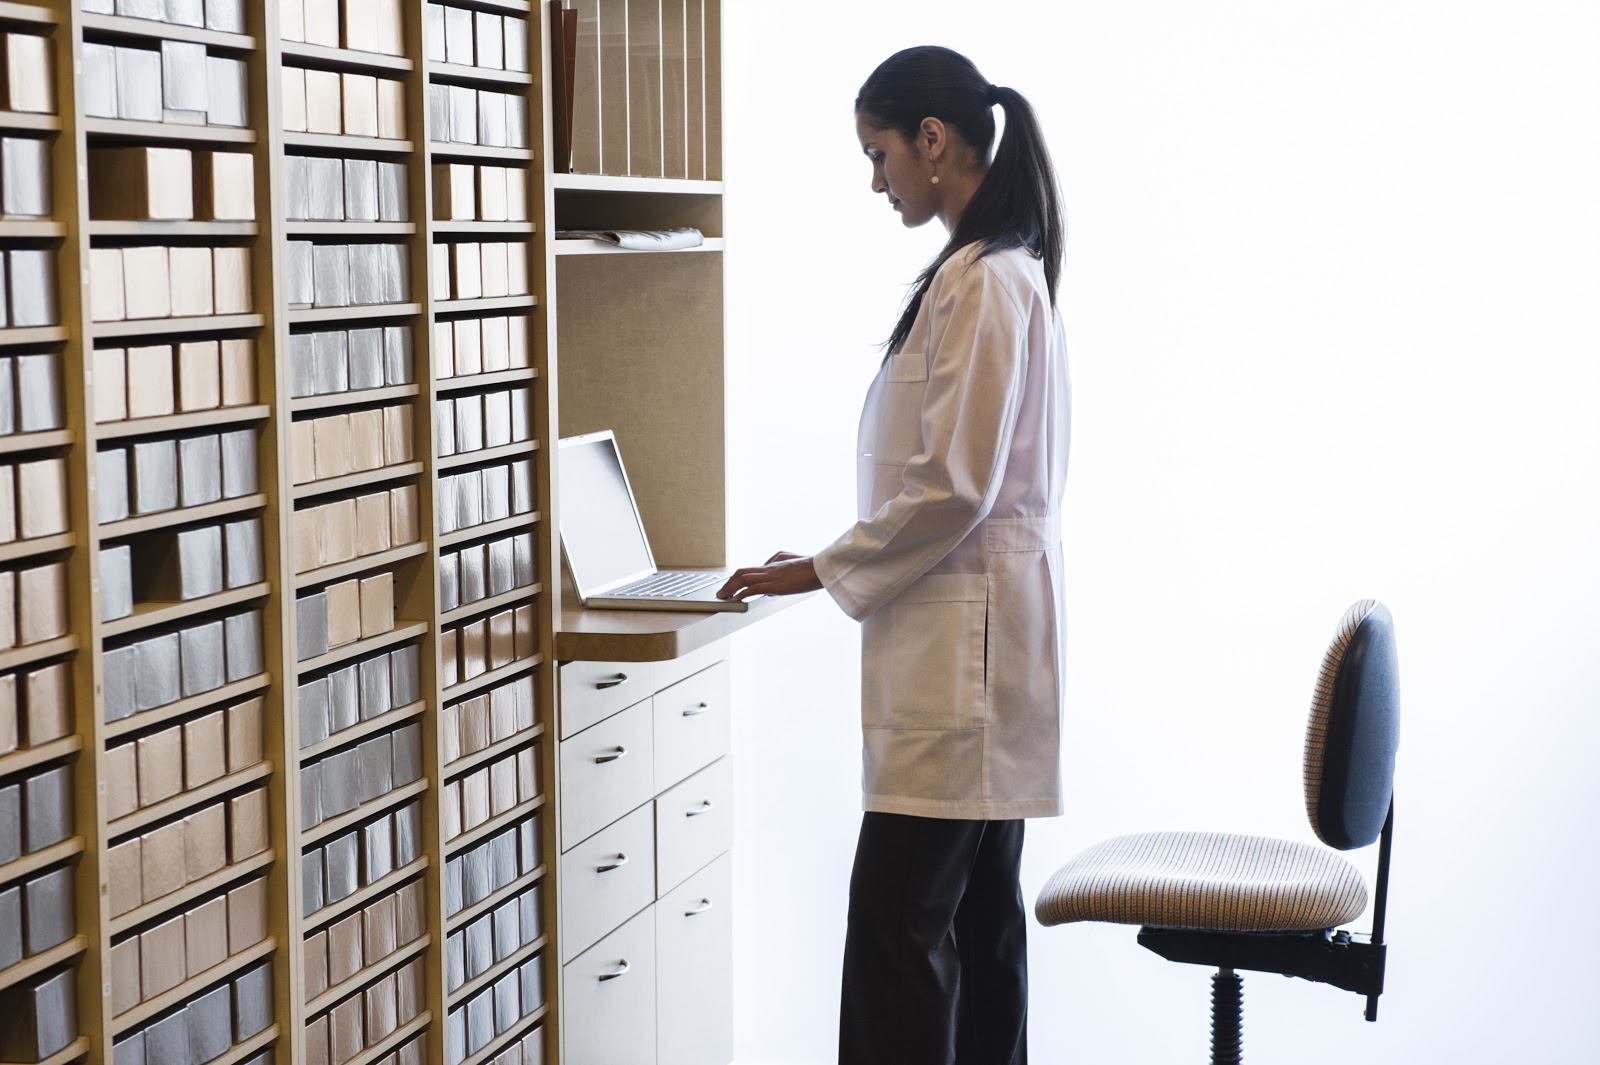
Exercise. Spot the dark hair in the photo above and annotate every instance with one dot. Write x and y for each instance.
(1017, 205)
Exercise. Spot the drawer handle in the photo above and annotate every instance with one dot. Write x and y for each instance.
(620, 972)
(617, 681)
(705, 808)
(695, 711)
(622, 859)
(613, 756)
(705, 904)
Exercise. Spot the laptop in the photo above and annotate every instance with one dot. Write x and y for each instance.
(604, 543)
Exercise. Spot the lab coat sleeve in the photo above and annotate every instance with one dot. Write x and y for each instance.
(976, 365)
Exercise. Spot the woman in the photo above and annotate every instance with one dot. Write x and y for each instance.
(954, 571)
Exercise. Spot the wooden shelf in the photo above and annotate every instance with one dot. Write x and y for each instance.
(31, 14)
(354, 230)
(480, 153)
(351, 651)
(493, 303)
(343, 143)
(465, 75)
(40, 962)
(366, 975)
(231, 966)
(491, 678)
(188, 800)
(164, 519)
(342, 59)
(25, 121)
(509, 1036)
(362, 729)
(467, 915)
(35, 334)
(515, 597)
(239, 689)
(149, 615)
(505, 452)
(31, 229)
(227, 417)
(37, 652)
(35, 441)
(163, 230)
(652, 635)
(213, 323)
(509, 7)
(381, 560)
(314, 315)
(481, 228)
(249, 1048)
(330, 485)
(389, 800)
(567, 246)
(394, 1040)
(79, 1047)
(646, 185)
(516, 741)
(39, 545)
(515, 523)
(43, 859)
(28, 757)
(493, 826)
(486, 380)
(496, 971)
(128, 129)
(96, 27)
(357, 397)
(190, 892)
(375, 890)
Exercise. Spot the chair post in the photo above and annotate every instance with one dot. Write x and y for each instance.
(1381, 906)
(1227, 1018)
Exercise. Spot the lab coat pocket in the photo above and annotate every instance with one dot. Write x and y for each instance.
(908, 366)
(923, 655)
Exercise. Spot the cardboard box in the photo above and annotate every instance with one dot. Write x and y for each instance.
(366, 274)
(161, 955)
(180, 566)
(502, 639)
(292, 82)
(8, 610)
(185, 92)
(331, 446)
(324, 102)
(377, 605)
(322, 23)
(106, 299)
(125, 876)
(449, 582)
(449, 658)
(516, 194)
(454, 195)
(121, 775)
(138, 84)
(205, 935)
(494, 265)
(242, 635)
(497, 418)
(124, 981)
(25, 177)
(344, 613)
(145, 283)
(347, 1030)
(231, 274)
(245, 737)
(163, 864)
(361, 106)
(200, 367)
(466, 272)
(391, 109)
(474, 649)
(8, 504)
(345, 948)
(366, 440)
(190, 281)
(199, 470)
(317, 1041)
(156, 678)
(331, 275)
(403, 519)
(203, 657)
(141, 183)
(151, 391)
(491, 193)
(239, 474)
(226, 90)
(372, 524)
(375, 693)
(237, 361)
(379, 928)
(471, 573)
(32, 283)
(382, 1018)
(394, 193)
(463, 115)
(247, 915)
(502, 786)
(37, 387)
(41, 603)
(496, 344)
(292, 20)
(30, 74)
(398, 447)
(338, 531)
(316, 965)
(247, 824)
(205, 756)
(225, 185)
(41, 498)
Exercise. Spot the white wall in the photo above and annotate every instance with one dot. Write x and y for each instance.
(1330, 295)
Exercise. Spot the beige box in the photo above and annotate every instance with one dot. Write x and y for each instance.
(245, 738)
(322, 22)
(141, 184)
(310, 534)
(48, 697)
(403, 525)
(205, 750)
(345, 951)
(496, 344)
(161, 958)
(474, 724)
(516, 194)
(366, 439)
(380, 930)
(303, 451)
(146, 291)
(441, 272)
(381, 1020)
(205, 847)
(397, 438)
(107, 299)
(292, 20)
(495, 280)
(225, 186)
(444, 338)
(121, 776)
(517, 331)
(8, 513)
(199, 374)
(372, 524)
(324, 102)
(475, 799)
(360, 105)
(360, 29)
(469, 347)
(450, 809)
(408, 913)
(339, 525)
(160, 765)
(293, 82)
(162, 859)
(466, 271)
(125, 876)
(191, 281)
(492, 193)
(110, 365)
(527, 775)
(517, 270)
(247, 824)
(409, 982)
(474, 649)
(377, 605)
(450, 744)
(449, 658)
(502, 786)
(150, 382)
(205, 935)
(126, 981)
(347, 1034)
(526, 639)
(391, 109)
(317, 1051)
(30, 74)
(231, 271)
(41, 498)
(344, 613)
(332, 446)
(502, 639)
(8, 609)
(389, 27)
(237, 356)
(453, 195)
(316, 965)
(247, 915)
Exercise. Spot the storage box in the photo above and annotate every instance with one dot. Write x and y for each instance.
(247, 915)
(454, 197)
(41, 498)
(106, 299)
(375, 694)
(366, 274)
(226, 91)
(205, 936)
(501, 578)
(247, 824)
(469, 347)
(151, 392)
(492, 119)
(311, 626)
(239, 474)
(396, 273)
(224, 185)
(325, 192)
(167, 1039)
(162, 860)
(324, 101)
(210, 1024)
(141, 183)
(185, 92)
(199, 470)
(397, 435)
(342, 859)
(377, 605)
(331, 275)
(25, 177)
(200, 367)
(311, 886)
(404, 683)
(292, 82)
(365, 359)
(393, 193)
(344, 698)
(231, 279)
(344, 613)
(191, 281)
(340, 783)
(238, 364)
(463, 115)
(391, 109)
(179, 566)
(242, 549)
(378, 848)
(47, 906)
(403, 522)
(331, 446)
(138, 84)
(202, 654)
(205, 749)
(338, 522)
(245, 653)
(124, 981)
(374, 762)
(121, 775)
(245, 739)
(372, 524)
(30, 74)
(466, 272)
(156, 676)
(407, 834)
(311, 814)
(125, 876)
(41, 603)
(360, 105)
(252, 1002)
(145, 283)
(117, 689)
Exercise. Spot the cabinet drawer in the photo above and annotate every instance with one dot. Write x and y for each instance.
(593, 691)
(608, 998)
(606, 879)
(693, 724)
(694, 824)
(694, 969)
(606, 771)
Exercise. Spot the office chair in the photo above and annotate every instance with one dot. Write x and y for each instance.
(1268, 905)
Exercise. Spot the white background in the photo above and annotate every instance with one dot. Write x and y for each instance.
(1330, 295)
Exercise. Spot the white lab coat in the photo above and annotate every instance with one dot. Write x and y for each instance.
(955, 566)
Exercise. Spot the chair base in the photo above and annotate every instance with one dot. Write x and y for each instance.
(1227, 1018)
(1335, 958)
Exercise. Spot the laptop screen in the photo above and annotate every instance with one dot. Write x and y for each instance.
(600, 528)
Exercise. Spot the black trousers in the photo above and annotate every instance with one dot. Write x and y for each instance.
(935, 957)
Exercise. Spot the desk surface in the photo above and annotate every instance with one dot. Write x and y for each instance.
(653, 635)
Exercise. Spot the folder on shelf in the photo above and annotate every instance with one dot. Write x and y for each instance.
(564, 58)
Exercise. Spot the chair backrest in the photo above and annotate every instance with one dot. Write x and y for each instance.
(1354, 730)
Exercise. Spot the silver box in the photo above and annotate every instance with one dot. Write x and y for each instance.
(11, 825)
(393, 193)
(42, 1018)
(455, 960)
(522, 486)
(116, 582)
(458, 36)
(496, 419)
(404, 684)
(311, 625)
(47, 809)
(25, 166)
(521, 414)
(507, 1002)
(469, 423)
(522, 559)
(375, 768)
(480, 946)
(361, 190)
(203, 659)
(226, 16)
(330, 361)
(193, 565)
(473, 585)
(38, 376)
(311, 881)
(463, 115)
(528, 844)
(301, 269)
(297, 188)
(310, 796)
(507, 929)
(374, 687)
(444, 427)
(342, 858)
(529, 920)
(242, 544)
(325, 189)
(439, 112)
(8, 386)
(454, 897)
(366, 358)
(227, 106)
(446, 513)
(532, 984)
(492, 119)
(10, 921)
(210, 1025)
(111, 484)
(344, 698)
(331, 275)
(516, 44)
(516, 121)
(302, 365)
(185, 13)
(406, 755)
(252, 1002)
(502, 571)
(496, 493)
(138, 84)
(433, 33)
(199, 470)
(239, 474)
(183, 72)
(117, 688)
(407, 834)
(129, 1050)
(480, 1020)
(246, 651)
(47, 902)
(476, 866)
(449, 582)
(455, 1039)
(397, 364)
(396, 273)
(155, 666)
(99, 84)
(504, 849)
(341, 781)
(313, 697)
(469, 499)
(378, 845)
(366, 274)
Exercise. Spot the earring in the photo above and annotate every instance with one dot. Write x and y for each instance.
(935, 163)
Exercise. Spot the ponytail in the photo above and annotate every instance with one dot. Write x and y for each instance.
(1017, 205)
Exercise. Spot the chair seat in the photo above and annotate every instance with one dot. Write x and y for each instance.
(1205, 881)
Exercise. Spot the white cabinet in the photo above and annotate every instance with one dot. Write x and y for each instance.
(694, 824)
(608, 998)
(694, 969)
(606, 879)
(606, 770)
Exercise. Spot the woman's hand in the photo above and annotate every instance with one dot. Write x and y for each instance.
(784, 574)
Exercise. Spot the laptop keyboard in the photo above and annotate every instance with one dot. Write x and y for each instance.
(670, 584)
